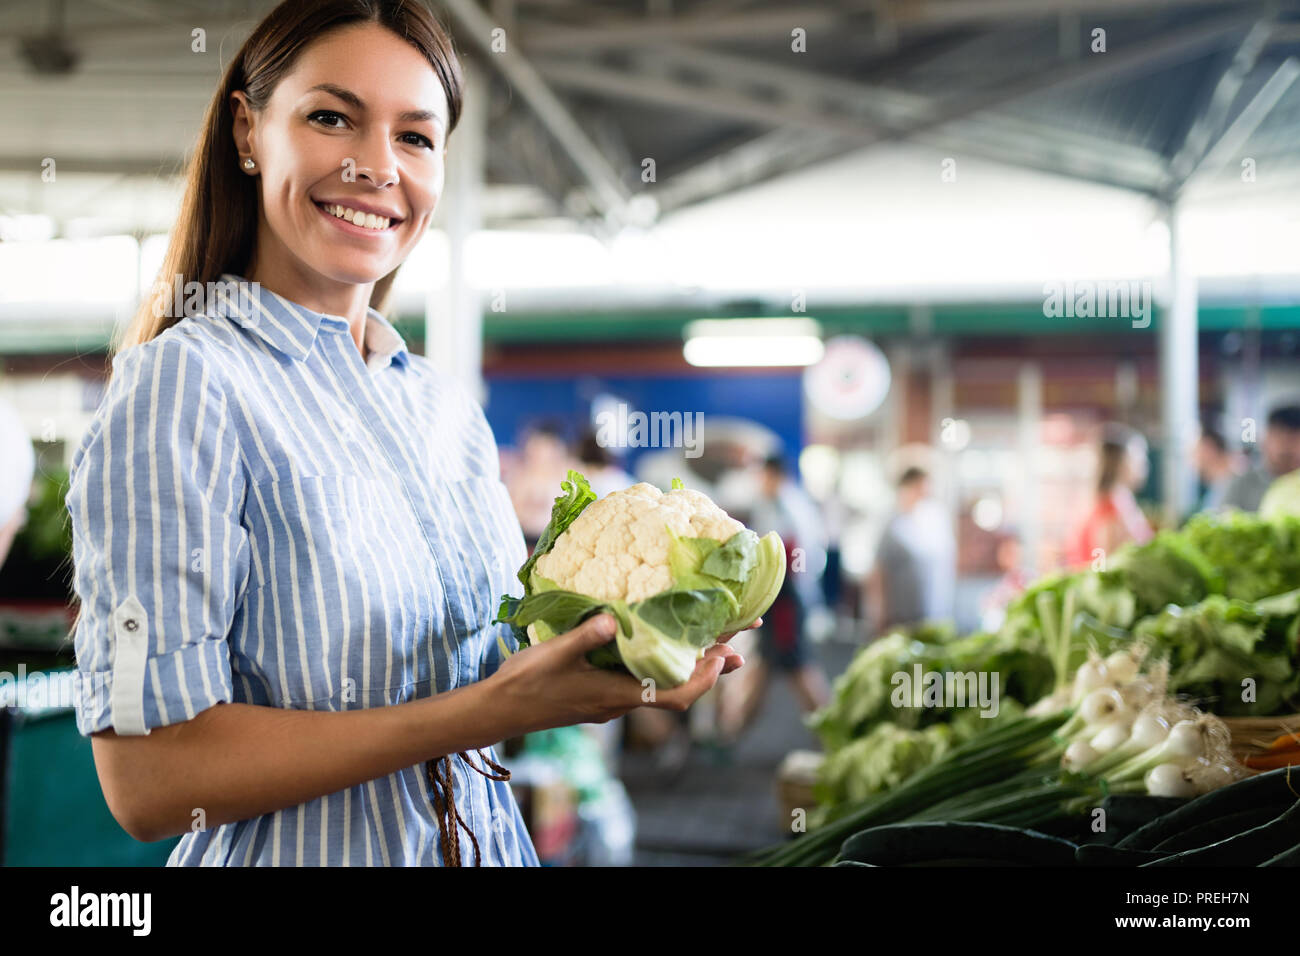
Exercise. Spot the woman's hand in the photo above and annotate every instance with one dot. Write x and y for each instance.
(552, 684)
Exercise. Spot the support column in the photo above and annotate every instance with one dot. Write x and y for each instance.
(453, 315)
(1179, 375)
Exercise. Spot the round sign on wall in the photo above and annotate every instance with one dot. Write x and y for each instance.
(850, 381)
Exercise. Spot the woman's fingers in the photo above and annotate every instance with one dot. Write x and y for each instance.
(707, 671)
(590, 634)
(731, 658)
(758, 622)
(734, 661)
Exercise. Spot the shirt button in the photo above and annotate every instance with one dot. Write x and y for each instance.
(131, 624)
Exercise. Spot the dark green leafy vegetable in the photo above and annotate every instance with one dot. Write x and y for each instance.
(1277, 787)
(1251, 848)
(914, 843)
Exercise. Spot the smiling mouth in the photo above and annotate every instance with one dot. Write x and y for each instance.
(367, 222)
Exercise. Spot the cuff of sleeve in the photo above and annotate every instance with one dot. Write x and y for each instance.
(168, 689)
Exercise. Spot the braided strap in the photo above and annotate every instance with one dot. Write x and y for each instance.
(450, 821)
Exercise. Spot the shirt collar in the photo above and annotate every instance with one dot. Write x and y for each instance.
(292, 328)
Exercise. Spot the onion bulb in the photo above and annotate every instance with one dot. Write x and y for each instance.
(1078, 755)
(1102, 706)
(1168, 780)
(1121, 667)
(1112, 736)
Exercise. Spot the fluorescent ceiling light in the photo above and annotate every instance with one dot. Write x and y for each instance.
(722, 350)
(753, 342)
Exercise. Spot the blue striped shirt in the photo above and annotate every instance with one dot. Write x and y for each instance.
(260, 515)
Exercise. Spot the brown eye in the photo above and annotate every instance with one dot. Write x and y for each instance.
(326, 113)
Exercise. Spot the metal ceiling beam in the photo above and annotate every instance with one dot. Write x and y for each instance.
(1026, 153)
(1213, 118)
(1173, 48)
(1124, 166)
(955, 12)
(634, 31)
(608, 194)
(899, 110)
(1235, 137)
(887, 105)
(744, 164)
(626, 31)
(665, 91)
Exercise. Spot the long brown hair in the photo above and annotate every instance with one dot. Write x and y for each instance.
(1116, 440)
(217, 225)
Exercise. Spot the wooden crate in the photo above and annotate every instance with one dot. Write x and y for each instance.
(794, 782)
(1251, 735)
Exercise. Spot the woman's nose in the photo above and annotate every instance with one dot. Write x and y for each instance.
(378, 166)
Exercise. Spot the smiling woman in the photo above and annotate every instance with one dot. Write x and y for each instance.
(302, 120)
(289, 532)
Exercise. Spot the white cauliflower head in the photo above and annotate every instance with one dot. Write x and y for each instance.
(618, 547)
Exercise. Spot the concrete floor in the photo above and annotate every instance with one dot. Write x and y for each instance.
(719, 806)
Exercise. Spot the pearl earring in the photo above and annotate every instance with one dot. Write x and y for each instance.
(249, 164)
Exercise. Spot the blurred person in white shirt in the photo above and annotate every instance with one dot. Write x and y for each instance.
(914, 577)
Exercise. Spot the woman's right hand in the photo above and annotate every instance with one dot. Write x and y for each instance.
(552, 684)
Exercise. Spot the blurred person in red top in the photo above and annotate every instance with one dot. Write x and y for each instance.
(1115, 518)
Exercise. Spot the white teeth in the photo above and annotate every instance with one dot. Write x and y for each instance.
(366, 220)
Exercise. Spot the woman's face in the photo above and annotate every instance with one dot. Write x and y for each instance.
(359, 122)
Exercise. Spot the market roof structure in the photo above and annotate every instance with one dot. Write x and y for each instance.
(1140, 94)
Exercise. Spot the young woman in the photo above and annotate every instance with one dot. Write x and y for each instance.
(290, 536)
(1115, 517)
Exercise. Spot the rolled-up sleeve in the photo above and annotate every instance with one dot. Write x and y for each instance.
(160, 554)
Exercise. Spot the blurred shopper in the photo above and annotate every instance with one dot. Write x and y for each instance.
(1281, 454)
(1114, 518)
(783, 507)
(914, 576)
(1216, 467)
(534, 481)
(1014, 580)
(15, 477)
(600, 467)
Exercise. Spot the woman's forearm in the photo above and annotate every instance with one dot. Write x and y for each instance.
(239, 761)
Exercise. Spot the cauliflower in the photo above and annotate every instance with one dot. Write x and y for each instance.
(674, 570)
(617, 549)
